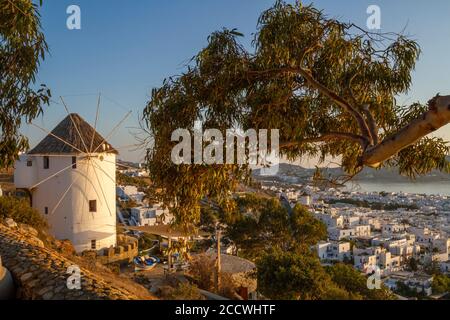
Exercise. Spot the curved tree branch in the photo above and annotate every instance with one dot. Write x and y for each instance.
(436, 117)
(338, 100)
(371, 123)
(342, 103)
(327, 137)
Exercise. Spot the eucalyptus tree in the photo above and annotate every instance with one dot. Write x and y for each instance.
(22, 48)
(330, 87)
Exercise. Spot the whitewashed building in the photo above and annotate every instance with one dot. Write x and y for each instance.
(127, 193)
(70, 177)
(362, 230)
(305, 199)
(337, 234)
(337, 251)
(330, 220)
(150, 216)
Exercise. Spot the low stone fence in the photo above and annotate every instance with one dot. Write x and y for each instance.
(41, 273)
(126, 250)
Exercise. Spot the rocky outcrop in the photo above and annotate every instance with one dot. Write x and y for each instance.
(41, 273)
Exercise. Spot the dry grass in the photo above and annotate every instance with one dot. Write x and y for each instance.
(109, 276)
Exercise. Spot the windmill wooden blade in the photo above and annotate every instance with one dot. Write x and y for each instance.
(56, 137)
(105, 173)
(112, 131)
(51, 176)
(101, 188)
(95, 123)
(65, 138)
(64, 194)
(75, 125)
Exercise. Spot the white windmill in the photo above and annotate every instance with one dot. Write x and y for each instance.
(70, 177)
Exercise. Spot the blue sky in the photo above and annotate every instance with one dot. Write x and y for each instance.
(125, 48)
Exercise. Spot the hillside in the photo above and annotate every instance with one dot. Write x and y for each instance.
(368, 174)
(41, 272)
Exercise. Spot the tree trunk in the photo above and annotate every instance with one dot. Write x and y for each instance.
(437, 117)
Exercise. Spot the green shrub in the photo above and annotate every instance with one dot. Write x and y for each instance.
(441, 284)
(20, 211)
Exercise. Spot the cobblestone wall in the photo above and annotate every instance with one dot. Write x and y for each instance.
(41, 273)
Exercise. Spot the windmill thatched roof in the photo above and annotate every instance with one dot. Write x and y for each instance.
(67, 131)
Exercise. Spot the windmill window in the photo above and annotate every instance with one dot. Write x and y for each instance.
(46, 162)
(29, 163)
(92, 205)
(74, 162)
(93, 244)
(46, 210)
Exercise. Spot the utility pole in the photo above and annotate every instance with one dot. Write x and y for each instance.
(218, 266)
(169, 258)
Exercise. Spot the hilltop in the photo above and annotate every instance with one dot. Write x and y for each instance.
(368, 174)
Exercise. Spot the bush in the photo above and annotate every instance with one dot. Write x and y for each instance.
(20, 211)
(291, 276)
(202, 269)
(354, 282)
(184, 291)
(441, 284)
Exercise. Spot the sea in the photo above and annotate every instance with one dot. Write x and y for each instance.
(428, 188)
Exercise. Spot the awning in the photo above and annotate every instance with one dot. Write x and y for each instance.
(167, 231)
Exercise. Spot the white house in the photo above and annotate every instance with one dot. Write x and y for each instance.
(305, 199)
(337, 234)
(70, 178)
(445, 267)
(351, 221)
(322, 250)
(373, 222)
(392, 228)
(363, 260)
(150, 216)
(331, 221)
(389, 262)
(362, 230)
(127, 193)
(338, 251)
(402, 247)
(415, 281)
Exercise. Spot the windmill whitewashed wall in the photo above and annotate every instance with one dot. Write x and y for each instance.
(72, 184)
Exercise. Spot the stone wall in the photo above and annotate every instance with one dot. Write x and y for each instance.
(126, 250)
(41, 273)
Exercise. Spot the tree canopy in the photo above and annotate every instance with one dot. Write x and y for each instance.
(330, 88)
(266, 225)
(441, 284)
(347, 277)
(22, 48)
(294, 276)
(291, 276)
